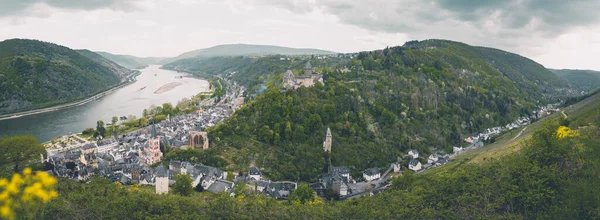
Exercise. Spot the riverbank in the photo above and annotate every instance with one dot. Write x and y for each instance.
(70, 104)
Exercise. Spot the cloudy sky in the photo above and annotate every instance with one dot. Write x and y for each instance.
(556, 33)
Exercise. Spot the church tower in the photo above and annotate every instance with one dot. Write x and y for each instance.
(154, 145)
(308, 70)
(327, 142)
(162, 180)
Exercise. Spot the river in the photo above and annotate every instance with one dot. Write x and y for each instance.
(129, 100)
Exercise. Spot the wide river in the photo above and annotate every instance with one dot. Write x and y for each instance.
(129, 100)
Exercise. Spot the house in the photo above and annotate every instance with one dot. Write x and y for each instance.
(414, 165)
(413, 153)
(432, 158)
(342, 171)
(255, 173)
(107, 144)
(220, 186)
(441, 161)
(372, 174)
(397, 167)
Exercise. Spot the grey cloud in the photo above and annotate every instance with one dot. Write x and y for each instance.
(548, 17)
(18, 7)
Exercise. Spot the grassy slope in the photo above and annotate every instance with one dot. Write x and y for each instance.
(509, 142)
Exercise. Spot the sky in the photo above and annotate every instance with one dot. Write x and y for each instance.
(555, 33)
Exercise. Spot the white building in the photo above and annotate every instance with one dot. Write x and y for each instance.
(372, 174)
(254, 173)
(107, 145)
(162, 180)
(413, 153)
(414, 165)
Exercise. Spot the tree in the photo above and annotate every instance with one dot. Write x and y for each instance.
(100, 128)
(18, 152)
(183, 185)
(114, 120)
(302, 194)
(239, 189)
(230, 176)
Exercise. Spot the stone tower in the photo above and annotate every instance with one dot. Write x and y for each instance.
(162, 180)
(327, 141)
(308, 69)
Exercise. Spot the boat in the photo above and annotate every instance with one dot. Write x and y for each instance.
(143, 88)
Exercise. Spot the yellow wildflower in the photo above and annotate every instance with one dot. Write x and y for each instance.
(27, 171)
(6, 212)
(564, 131)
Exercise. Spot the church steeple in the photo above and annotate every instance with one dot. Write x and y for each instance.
(153, 129)
(327, 141)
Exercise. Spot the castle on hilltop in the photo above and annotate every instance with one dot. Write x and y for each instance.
(308, 79)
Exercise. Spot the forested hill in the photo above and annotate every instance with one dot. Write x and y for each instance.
(524, 71)
(245, 50)
(132, 62)
(36, 74)
(385, 103)
(584, 80)
(102, 61)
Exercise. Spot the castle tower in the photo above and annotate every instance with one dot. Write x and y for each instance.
(162, 180)
(308, 69)
(327, 142)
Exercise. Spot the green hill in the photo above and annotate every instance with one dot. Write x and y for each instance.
(132, 62)
(418, 96)
(245, 50)
(36, 74)
(102, 61)
(584, 80)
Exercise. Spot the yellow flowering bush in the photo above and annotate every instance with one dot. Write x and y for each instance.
(25, 190)
(564, 131)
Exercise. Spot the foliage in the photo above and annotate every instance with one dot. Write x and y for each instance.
(584, 80)
(197, 156)
(18, 152)
(302, 194)
(23, 195)
(183, 185)
(37, 74)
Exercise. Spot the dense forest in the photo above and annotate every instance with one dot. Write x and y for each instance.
(584, 80)
(378, 107)
(36, 74)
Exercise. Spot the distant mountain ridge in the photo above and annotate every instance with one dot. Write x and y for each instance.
(584, 80)
(36, 74)
(246, 50)
(132, 62)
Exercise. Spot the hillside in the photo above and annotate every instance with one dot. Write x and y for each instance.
(102, 61)
(584, 80)
(132, 62)
(385, 103)
(246, 50)
(252, 72)
(36, 74)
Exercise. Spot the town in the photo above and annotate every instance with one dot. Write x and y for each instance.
(129, 158)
